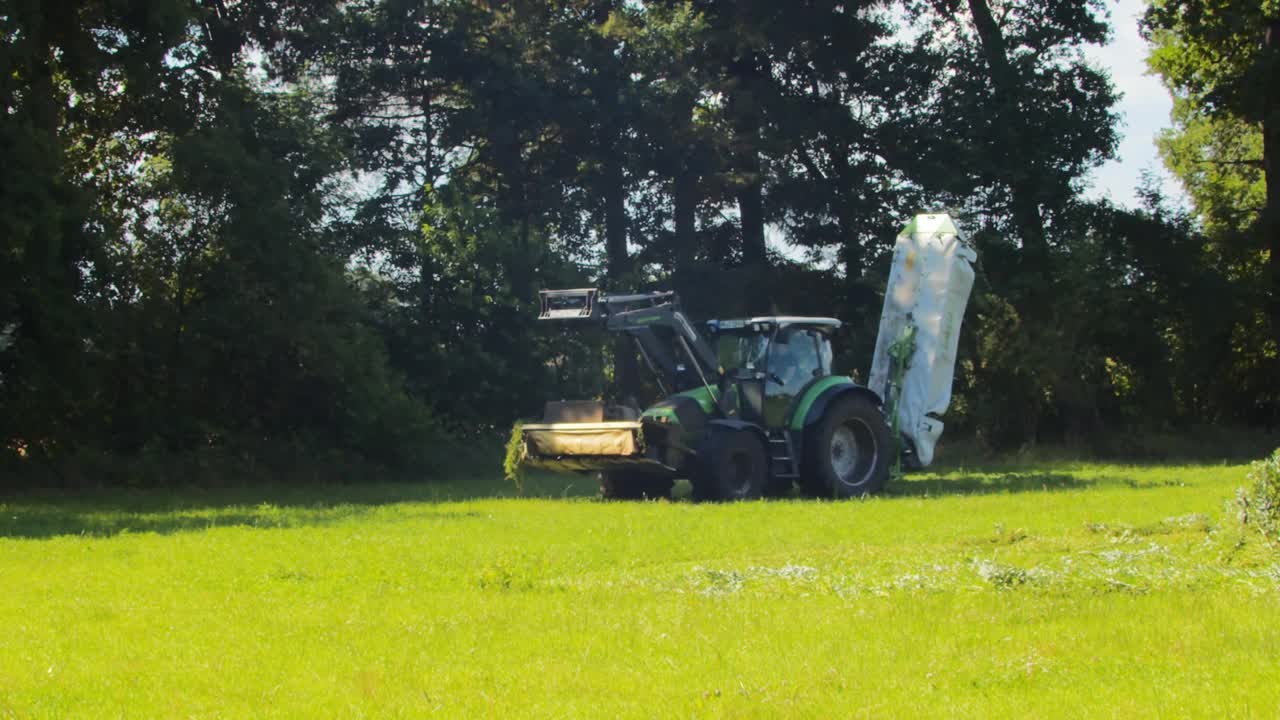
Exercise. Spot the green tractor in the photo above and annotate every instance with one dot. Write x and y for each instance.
(752, 405)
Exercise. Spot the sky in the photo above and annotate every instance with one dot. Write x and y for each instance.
(1143, 110)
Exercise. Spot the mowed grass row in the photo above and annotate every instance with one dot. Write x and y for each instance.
(1064, 591)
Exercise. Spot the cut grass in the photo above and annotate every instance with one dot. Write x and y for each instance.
(1046, 591)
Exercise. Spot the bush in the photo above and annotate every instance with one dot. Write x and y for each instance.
(515, 454)
(1259, 503)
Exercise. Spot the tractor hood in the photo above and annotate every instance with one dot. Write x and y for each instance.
(929, 286)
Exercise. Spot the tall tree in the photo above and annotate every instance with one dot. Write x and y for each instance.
(1015, 115)
(840, 82)
(1009, 117)
(738, 42)
(1221, 62)
(73, 78)
(188, 292)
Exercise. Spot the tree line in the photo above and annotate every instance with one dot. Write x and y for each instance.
(312, 233)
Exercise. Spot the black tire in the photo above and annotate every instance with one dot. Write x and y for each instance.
(732, 465)
(847, 453)
(632, 485)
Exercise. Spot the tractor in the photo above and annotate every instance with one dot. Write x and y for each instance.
(753, 406)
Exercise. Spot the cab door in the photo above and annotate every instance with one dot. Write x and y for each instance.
(744, 355)
(795, 359)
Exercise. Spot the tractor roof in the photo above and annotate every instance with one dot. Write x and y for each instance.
(818, 323)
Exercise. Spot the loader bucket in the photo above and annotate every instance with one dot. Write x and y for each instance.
(568, 304)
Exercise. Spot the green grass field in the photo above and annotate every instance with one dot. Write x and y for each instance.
(1040, 591)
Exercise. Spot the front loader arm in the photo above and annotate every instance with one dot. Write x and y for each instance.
(654, 320)
(648, 322)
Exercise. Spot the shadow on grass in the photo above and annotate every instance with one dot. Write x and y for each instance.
(1008, 482)
(1017, 482)
(48, 522)
(109, 512)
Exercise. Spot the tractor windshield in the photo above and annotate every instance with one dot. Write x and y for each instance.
(745, 350)
(796, 358)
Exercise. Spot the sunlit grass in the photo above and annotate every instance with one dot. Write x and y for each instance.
(1042, 591)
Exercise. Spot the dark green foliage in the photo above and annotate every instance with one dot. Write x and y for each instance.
(180, 294)
(1148, 332)
(1004, 115)
(1221, 63)
(307, 237)
(466, 339)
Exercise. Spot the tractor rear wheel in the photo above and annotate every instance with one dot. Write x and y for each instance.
(848, 452)
(732, 465)
(632, 485)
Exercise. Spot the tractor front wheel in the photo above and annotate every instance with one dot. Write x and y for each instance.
(732, 465)
(848, 451)
(631, 485)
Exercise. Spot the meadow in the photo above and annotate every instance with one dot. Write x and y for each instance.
(1038, 590)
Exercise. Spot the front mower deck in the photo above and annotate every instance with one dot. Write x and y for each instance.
(588, 446)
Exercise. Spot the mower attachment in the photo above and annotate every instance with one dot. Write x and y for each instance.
(587, 436)
(604, 439)
(568, 304)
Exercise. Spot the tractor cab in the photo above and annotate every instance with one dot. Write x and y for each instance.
(768, 362)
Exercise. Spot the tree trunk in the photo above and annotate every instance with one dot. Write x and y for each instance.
(751, 215)
(522, 278)
(514, 206)
(685, 198)
(224, 39)
(609, 82)
(851, 251)
(1020, 178)
(745, 116)
(1271, 215)
(49, 256)
(1271, 168)
(615, 219)
(626, 366)
(744, 112)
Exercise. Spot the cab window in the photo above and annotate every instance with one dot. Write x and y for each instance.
(794, 360)
(741, 350)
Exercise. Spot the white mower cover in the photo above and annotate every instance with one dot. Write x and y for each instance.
(929, 285)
